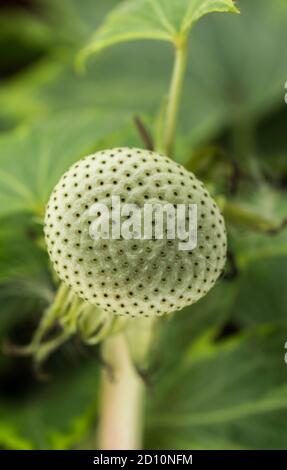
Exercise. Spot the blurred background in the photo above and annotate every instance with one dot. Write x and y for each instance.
(219, 379)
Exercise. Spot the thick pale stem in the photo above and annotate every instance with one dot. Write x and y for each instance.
(175, 95)
(122, 395)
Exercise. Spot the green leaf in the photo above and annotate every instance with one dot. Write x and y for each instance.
(248, 243)
(233, 398)
(262, 295)
(25, 281)
(165, 20)
(23, 39)
(20, 252)
(187, 326)
(57, 415)
(32, 161)
(10, 439)
(131, 77)
(271, 146)
(80, 18)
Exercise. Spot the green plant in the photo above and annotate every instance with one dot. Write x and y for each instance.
(132, 284)
(231, 338)
(162, 21)
(131, 277)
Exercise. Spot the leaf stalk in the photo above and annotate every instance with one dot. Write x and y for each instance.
(174, 95)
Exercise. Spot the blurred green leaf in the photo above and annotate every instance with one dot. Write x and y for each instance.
(57, 416)
(271, 146)
(25, 281)
(24, 38)
(249, 244)
(81, 18)
(20, 253)
(32, 161)
(240, 77)
(152, 19)
(233, 398)
(188, 326)
(262, 295)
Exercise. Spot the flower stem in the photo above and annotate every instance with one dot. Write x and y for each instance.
(174, 95)
(122, 395)
(123, 391)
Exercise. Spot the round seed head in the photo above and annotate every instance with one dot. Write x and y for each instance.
(133, 276)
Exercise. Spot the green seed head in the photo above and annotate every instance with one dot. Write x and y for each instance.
(136, 276)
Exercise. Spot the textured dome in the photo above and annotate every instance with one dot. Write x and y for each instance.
(137, 276)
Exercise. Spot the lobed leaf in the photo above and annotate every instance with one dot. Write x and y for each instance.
(132, 77)
(164, 20)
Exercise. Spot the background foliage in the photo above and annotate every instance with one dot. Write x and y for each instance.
(219, 378)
